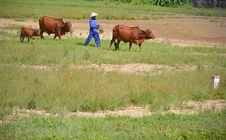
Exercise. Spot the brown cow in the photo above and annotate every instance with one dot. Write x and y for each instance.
(54, 26)
(130, 34)
(29, 33)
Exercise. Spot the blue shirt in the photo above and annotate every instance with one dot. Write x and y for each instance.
(93, 25)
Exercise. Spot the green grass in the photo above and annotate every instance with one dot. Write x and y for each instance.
(90, 90)
(80, 9)
(158, 127)
(64, 88)
(71, 90)
(71, 51)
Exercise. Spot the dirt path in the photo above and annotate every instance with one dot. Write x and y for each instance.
(191, 107)
(134, 68)
(182, 31)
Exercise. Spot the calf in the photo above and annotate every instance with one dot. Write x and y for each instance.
(29, 33)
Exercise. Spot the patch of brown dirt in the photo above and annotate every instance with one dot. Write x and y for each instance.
(194, 107)
(4, 22)
(134, 68)
(137, 68)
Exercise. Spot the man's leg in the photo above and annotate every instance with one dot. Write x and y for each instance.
(88, 39)
(97, 39)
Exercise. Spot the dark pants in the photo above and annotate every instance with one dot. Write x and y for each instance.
(96, 38)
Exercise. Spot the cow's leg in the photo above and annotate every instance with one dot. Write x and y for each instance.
(55, 36)
(20, 38)
(59, 36)
(130, 45)
(117, 45)
(140, 47)
(28, 39)
(41, 34)
(58, 30)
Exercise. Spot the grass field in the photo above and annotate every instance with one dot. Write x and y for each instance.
(67, 89)
(81, 9)
(62, 88)
(158, 127)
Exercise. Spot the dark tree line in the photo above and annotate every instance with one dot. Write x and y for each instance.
(195, 3)
(209, 3)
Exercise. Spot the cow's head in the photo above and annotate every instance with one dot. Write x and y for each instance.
(37, 32)
(68, 27)
(149, 34)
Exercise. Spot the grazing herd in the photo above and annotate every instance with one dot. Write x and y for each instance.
(59, 27)
(48, 25)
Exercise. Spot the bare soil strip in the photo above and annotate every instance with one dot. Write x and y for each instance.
(139, 68)
(191, 107)
(135, 68)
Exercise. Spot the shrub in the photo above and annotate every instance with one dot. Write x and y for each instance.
(158, 2)
(32, 104)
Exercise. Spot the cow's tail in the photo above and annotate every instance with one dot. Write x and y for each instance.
(112, 40)
(114, 34)
(115, 44)
(21, 34)
(41, 28)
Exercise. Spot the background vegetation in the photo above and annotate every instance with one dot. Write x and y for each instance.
(81, 9)
(62, 88)
(157, 2)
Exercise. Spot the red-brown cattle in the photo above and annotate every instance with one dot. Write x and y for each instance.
(54, 26)
(29, 33)
(130, 34)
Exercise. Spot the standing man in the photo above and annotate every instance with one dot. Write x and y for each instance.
(93, 33)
